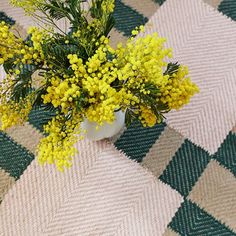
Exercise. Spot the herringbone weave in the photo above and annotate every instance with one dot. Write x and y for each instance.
(185, 180)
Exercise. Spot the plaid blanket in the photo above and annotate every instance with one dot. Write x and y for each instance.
(193, 153)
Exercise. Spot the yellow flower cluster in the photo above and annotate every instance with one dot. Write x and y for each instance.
(29, 6)
(108, 6)
(61, 93)
(97, 76)
(28, 55)
(178, 90)
(139, 63)
(142, 61)
(12, 46)
(58, 147)
(13, 113)
(9, 45)
(38, 36)
(147, 117)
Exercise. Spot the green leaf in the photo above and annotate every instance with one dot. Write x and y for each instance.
(109, 25)
(38, 97)
(55, 10)
(9, 65)
(81, 102)
(172, 68)
(96, 9)
(130, 116)
(22, 87)
(20, 90)
(59, 50)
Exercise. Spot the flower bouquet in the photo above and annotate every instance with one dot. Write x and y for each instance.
(77, 75)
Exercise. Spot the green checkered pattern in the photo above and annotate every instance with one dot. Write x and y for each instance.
(186, 171)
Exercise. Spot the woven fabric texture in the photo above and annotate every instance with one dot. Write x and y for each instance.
(185, 179)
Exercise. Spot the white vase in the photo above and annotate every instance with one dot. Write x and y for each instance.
(106, 130)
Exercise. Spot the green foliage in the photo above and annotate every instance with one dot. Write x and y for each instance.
(9, 65)
(20, 90)
(96, 9)
(172, 68)
(82, 102)
(55, 10)
(22, 85)
(150, 99)
(109, 25)
(69, 9)
(130, 116)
